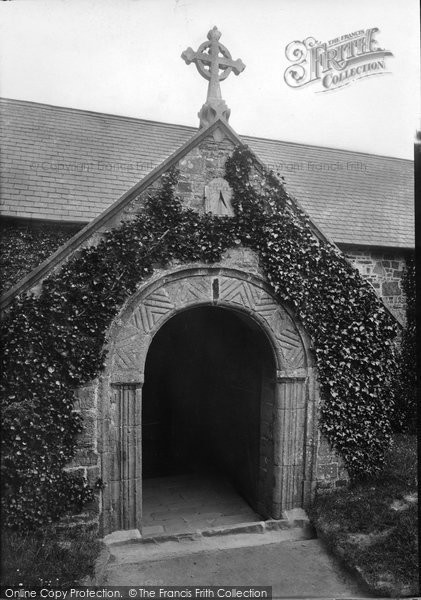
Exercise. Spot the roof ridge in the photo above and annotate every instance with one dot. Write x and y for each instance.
(304, 145)
(191, 128)
(103, 114)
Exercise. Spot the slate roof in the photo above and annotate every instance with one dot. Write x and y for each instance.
(65, 164)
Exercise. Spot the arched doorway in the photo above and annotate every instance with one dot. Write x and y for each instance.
(276, 427)
(208, 372)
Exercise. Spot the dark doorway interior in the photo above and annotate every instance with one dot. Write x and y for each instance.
(206, 371)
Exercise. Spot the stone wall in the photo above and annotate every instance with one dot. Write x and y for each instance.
(384, 270)
(199, 167)
(86, 461)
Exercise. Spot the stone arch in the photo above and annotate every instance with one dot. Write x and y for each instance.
(288, 434)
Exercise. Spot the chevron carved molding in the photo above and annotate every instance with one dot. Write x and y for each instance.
(211, 288)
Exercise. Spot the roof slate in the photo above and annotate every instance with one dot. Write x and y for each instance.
(65, 164)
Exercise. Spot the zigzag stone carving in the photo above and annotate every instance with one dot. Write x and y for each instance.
(152, 309)
(291, 347)
(251, 296)
(266, 306)
(238, 292)
(127, 358)
(131, 345)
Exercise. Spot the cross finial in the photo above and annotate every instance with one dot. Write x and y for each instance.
(210, 58)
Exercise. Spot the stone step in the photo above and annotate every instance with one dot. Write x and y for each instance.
(140, 551)
(295, 526)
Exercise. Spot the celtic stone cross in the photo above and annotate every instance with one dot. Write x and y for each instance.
(209, 59)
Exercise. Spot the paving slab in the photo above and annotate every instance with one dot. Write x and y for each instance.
(193, 501)
(199, 531)
(293, 568)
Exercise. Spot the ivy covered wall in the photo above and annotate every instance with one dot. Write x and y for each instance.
(24, 245)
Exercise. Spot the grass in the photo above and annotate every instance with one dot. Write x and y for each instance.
(373, 525)
(43, 559)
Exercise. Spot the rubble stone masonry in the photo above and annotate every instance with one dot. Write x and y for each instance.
(383, 270)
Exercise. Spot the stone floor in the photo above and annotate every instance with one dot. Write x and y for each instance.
(187, 503)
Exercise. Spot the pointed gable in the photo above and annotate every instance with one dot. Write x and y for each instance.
(200, 161)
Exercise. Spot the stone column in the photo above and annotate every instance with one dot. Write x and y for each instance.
(131, 456)
(126, 462)
(288, 440)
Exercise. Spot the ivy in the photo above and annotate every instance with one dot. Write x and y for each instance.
(24, 247)
(352, 332)
(405, 385)
(55, 342)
